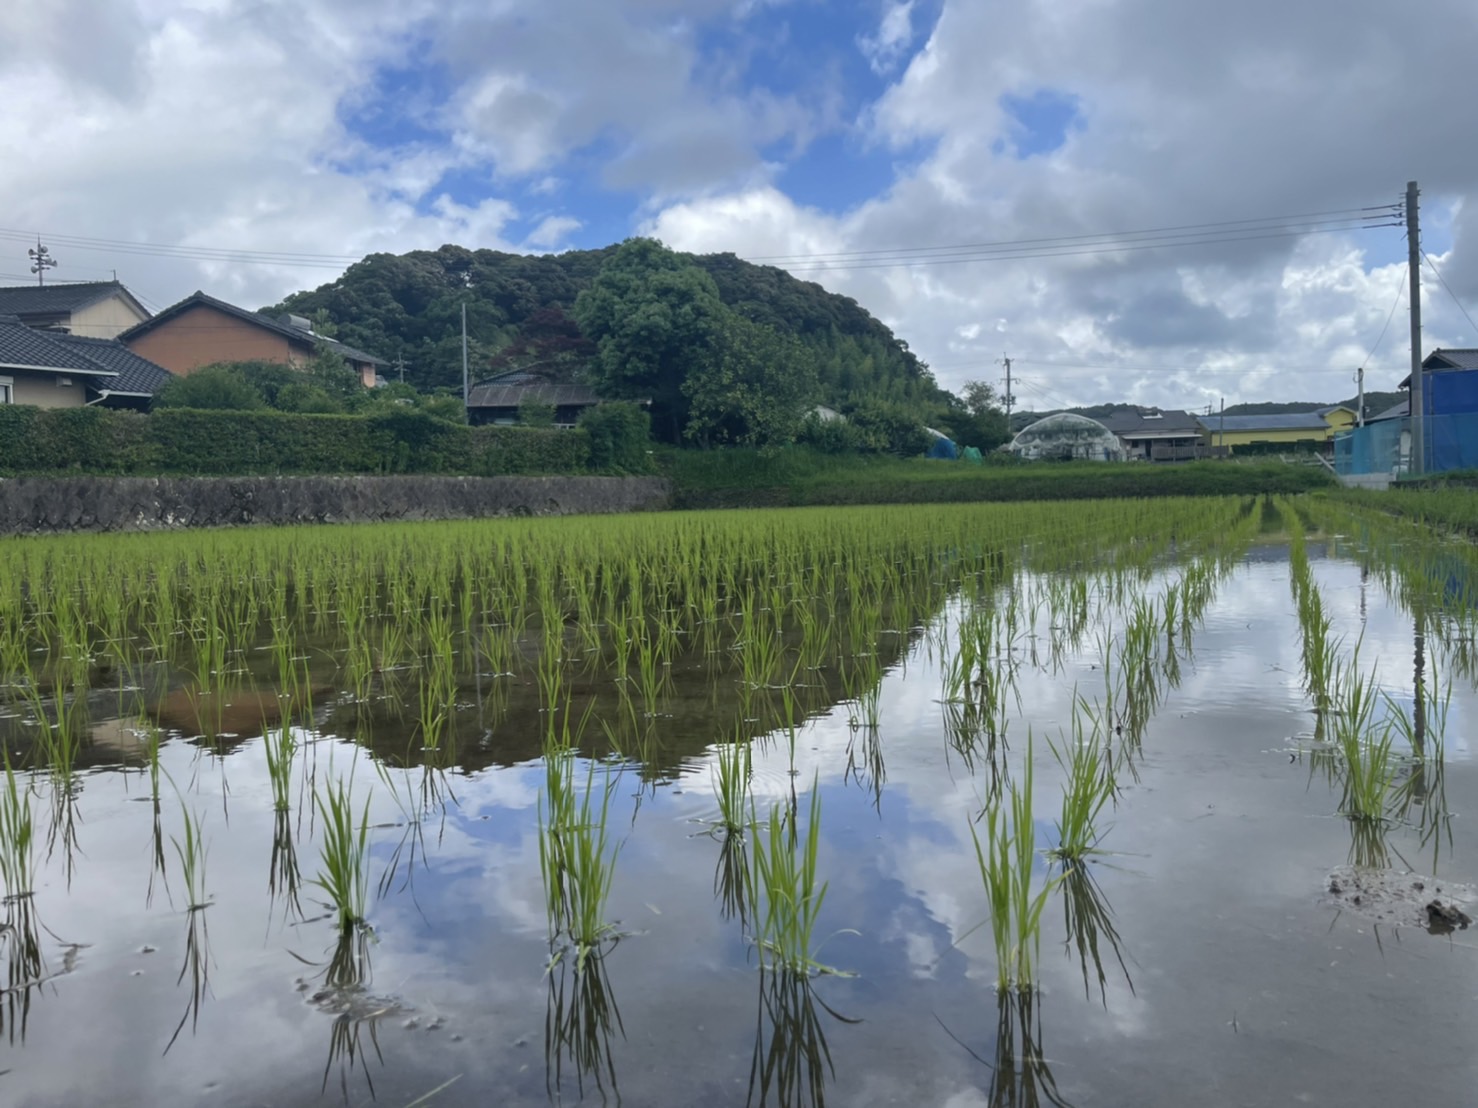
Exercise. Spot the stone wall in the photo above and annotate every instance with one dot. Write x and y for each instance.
(32, 505)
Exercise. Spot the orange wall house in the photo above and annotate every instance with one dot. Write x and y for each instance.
(202, 335)
(201, 330)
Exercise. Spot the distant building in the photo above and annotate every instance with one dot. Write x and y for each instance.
(1067, 436)
(1383, 447)
(201, 330)
(51, 369)
(1155, 434)
(1281, 431)
(499, 399)
(93, 309)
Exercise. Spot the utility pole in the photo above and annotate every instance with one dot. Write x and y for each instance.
(466, 409)
(41, 261)
(1221, 432)
(400, 367)
(1414, 268)
(1008, 398)
(1360, 394)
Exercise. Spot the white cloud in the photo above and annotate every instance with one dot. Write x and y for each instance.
(553, 231)
(884, 49)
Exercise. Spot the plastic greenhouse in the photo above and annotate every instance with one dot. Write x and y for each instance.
(1068, 436)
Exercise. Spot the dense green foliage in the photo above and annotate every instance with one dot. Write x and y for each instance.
(223, 443)
(727, 351)
(619, 435)
(1448, 503)
(801, 475)
(325, 385)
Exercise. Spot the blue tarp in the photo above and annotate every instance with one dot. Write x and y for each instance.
(1452, 443)
(944, 449)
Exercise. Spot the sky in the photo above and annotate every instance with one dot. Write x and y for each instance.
(965, 169)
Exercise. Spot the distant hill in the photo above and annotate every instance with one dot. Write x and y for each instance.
(520, 313)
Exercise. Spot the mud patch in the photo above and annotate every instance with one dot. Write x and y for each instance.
(1400, 899)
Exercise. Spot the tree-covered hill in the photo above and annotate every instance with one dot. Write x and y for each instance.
(725, 350)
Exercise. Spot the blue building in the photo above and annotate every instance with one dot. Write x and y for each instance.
(1450, 423)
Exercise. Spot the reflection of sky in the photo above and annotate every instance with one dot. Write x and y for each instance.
(1219, 852)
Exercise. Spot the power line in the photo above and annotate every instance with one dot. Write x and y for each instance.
(1400, 288)
(1452, 294)
(1338, 215)
(1108, 248)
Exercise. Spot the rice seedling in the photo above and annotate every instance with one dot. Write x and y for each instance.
(1006, 861)
(280, 747)
(1367, 747)
(732, 770)
(192, 851)
(784, 893)
(17, 837)
(576, 859)
(344, 853)
(1090, 784)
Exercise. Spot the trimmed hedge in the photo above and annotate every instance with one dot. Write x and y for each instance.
(38, 441)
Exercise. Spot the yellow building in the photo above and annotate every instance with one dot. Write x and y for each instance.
(1285, 430)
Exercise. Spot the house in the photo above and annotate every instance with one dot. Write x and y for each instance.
(1250, 434)
(136, 380)
(96, 309)
(1153, 434)
(498, 399)
(52, 369)
(201, 330)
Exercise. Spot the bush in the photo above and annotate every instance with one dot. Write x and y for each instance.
(619, 436)
(498, 450)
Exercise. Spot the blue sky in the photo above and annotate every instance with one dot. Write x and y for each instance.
(181, 144)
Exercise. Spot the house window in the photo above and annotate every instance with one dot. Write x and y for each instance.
(7, 396)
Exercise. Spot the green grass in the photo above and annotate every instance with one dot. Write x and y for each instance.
(739, 477)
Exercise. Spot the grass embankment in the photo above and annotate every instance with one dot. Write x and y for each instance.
(740, 478)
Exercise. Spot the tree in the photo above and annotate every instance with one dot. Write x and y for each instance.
(655, 319)
(975, 417)
(215, 387)
(754, 392)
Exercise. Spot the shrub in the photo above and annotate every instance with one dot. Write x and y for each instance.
(619, 436)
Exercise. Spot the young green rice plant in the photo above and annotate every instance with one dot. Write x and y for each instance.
(17, 837)
(576, 859)
(784, 894)
(732, 770)
(1366, 746)
(1006, 861)
(1088, 762)
(280, 746)
(192, 851)
(344, 855)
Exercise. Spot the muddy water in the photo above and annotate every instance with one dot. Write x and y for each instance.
(1228, 975)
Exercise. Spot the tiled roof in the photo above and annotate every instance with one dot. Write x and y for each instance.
(136, 376)
(23, 347)
(55, 299)
(521, 386)
(1457, 359)
(1147, 422)
(1395, 411)
(1281, 421)
(259, 319)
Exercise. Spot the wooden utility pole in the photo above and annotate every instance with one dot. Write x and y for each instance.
(466, 408)
(1360, 395)
(1414, 268)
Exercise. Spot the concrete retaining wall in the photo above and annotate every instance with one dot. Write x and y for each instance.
(30, 505)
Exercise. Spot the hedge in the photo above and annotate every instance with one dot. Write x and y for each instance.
(220, 443)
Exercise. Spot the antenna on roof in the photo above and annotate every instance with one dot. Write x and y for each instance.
(41, 261)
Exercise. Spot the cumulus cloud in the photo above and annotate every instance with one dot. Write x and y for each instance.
(884, 49)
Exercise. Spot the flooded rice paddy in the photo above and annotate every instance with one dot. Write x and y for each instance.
(751, 808)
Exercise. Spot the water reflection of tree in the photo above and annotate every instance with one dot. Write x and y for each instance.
(791, 1062)
(581, 1021)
